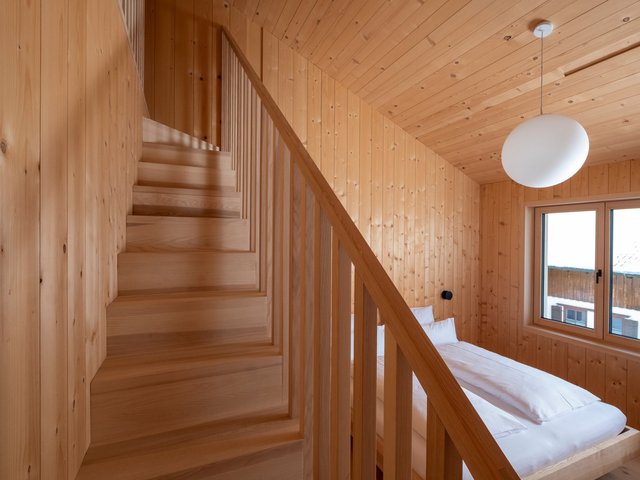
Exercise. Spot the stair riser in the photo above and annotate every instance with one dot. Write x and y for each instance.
(187, 234)
(194, 158)
(157, 174)
(145, 272)
(170, 325)
(162, 316)
(131, 413)
(186, 205)
(155, 132)
(163, 342)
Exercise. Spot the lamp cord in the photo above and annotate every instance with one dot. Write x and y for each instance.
(541, 68)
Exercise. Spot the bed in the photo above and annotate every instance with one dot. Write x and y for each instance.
(545, 426)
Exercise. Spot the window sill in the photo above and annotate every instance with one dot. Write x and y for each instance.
(608, 348)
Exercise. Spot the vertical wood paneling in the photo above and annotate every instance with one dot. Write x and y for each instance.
(314, 112)
(377, 185)
(328, 133)
(416, 210)
(164, 59)
(397, 215)
(363, 203)
(184, 63)
(633, 393)
(70, 125)
(78, 386)
(149, 56)
(20, 34)
(607, 376)
(341, 137)
(53, 244)
(206, 70)
(353, 160)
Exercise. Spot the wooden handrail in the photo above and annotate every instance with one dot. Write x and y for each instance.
(374, 289)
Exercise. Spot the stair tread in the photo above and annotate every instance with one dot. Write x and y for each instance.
(159, 133)
(192, 447)
(179, 148)
(195, 168)
(198, 192)
(187, 290)
(179, 155)
(148, 219)
(152, 368)
(154, 298)
(214, 177)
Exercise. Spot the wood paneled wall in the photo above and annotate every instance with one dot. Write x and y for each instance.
(70, 129)
(134, 19)
(614, 378)
(418, 212)
(182, 66)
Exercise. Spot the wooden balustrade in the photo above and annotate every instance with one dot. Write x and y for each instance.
(313, 256)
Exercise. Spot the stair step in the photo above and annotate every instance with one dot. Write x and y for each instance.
(158, 272)
(257, 447)
(138, 324)
(157, 233)
(158, 153)
(185, 202)
(138, 396)
(156, 132)
(184, 176)
(156, 368)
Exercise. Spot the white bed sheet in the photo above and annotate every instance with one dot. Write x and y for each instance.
(528, 451)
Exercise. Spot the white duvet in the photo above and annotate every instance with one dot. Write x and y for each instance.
(512, 399)
(535, 394)
(499, 422)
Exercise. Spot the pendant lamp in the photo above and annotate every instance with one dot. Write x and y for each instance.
(548, 149)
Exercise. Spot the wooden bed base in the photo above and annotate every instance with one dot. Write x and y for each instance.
(587, 465)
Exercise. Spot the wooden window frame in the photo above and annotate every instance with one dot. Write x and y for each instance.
(609, 337)
(538, 319)
(600, 335)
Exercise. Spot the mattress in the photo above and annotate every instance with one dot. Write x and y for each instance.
(538, 446)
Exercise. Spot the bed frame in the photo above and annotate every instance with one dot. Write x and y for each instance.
(587, 465)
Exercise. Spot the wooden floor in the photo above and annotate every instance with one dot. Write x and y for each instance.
(630, 471)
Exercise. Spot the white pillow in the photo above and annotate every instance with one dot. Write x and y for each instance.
(442, 333)
(424, 315)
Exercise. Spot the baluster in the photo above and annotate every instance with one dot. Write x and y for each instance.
(268, 218)
(297, 348)
(285, 262)
(443, 460)
(340, 361)
(397, 411)
(278, 240)
(364, 384)
(322, 344)
(309, 329)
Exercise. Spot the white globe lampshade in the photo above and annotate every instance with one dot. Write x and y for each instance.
(545, 150)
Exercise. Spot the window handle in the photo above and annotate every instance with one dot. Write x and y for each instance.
(598, 275)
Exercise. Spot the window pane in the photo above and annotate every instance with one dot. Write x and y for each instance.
(624, 311)
(568, 267)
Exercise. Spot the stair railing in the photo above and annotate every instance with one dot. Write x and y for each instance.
(310, 246)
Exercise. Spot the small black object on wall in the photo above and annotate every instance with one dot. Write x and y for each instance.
(447, 295)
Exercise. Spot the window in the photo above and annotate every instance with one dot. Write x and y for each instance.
(587, 270)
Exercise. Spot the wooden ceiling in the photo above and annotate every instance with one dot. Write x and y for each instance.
(461, 74)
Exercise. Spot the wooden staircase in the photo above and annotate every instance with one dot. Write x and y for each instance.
(192, 386)
(229, 346)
